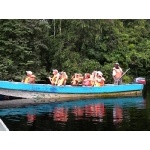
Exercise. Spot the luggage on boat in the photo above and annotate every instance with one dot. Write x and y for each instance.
(140, 80)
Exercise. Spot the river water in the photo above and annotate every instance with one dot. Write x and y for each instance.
(113, 114)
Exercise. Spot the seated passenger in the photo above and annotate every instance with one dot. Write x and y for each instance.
(29, 77)
(80, 78)
(87, 80)
(92, 77)
(77, 79)
(74, 79)
(55, 78)
(32, 79)
(63, 78)
(99, 80)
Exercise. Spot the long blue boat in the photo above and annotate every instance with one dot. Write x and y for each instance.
(47, 91)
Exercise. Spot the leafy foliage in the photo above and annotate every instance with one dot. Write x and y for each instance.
(74, 46)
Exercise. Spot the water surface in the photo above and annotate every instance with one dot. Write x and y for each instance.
(113, 114)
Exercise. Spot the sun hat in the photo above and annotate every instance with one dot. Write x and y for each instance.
(99, 73)
(29, 72)
(55, 70)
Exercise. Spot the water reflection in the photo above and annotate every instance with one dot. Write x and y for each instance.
(60, 114)
(97, 111)
(72, 114)
(78, 112)
(117, 114)
(30, 119)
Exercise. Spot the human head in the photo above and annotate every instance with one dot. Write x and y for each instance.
(94, 73)
(99, 73)
(33, 76)
(76, 75)
(116, 65)
(55, 71)
(87, 75)
(63, 73)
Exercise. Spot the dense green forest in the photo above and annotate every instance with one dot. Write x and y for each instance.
(79, 45)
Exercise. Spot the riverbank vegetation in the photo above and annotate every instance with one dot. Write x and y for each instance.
(74, 46)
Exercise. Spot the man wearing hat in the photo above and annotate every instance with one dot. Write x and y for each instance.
(117, 73)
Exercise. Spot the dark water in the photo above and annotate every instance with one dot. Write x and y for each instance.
(115, 114)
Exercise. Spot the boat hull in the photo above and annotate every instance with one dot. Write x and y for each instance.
(46, 91)
(56, 96)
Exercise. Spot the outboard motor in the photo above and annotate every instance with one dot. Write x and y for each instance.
(140, 80)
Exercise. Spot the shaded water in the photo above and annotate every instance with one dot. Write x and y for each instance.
(115, 114)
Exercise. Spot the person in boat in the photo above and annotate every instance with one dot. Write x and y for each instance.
(99, 79)
(62, 79)
(77, 79)
(30, 78)
(87, 80)
(54, 80)
(117, 73)
(92, 77)
(74, 79)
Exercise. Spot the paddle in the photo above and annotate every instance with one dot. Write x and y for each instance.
(123, 75)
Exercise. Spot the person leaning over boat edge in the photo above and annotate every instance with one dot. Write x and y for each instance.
(117, 73)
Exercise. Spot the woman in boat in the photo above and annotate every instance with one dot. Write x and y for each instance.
(86, 80)
(55, 78)
(99, 79)
(29, 77)
(63, 78)
(117, 73)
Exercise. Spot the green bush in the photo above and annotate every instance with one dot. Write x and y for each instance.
(126, 79)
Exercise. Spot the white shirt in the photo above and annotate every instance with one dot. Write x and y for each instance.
(114, 71)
